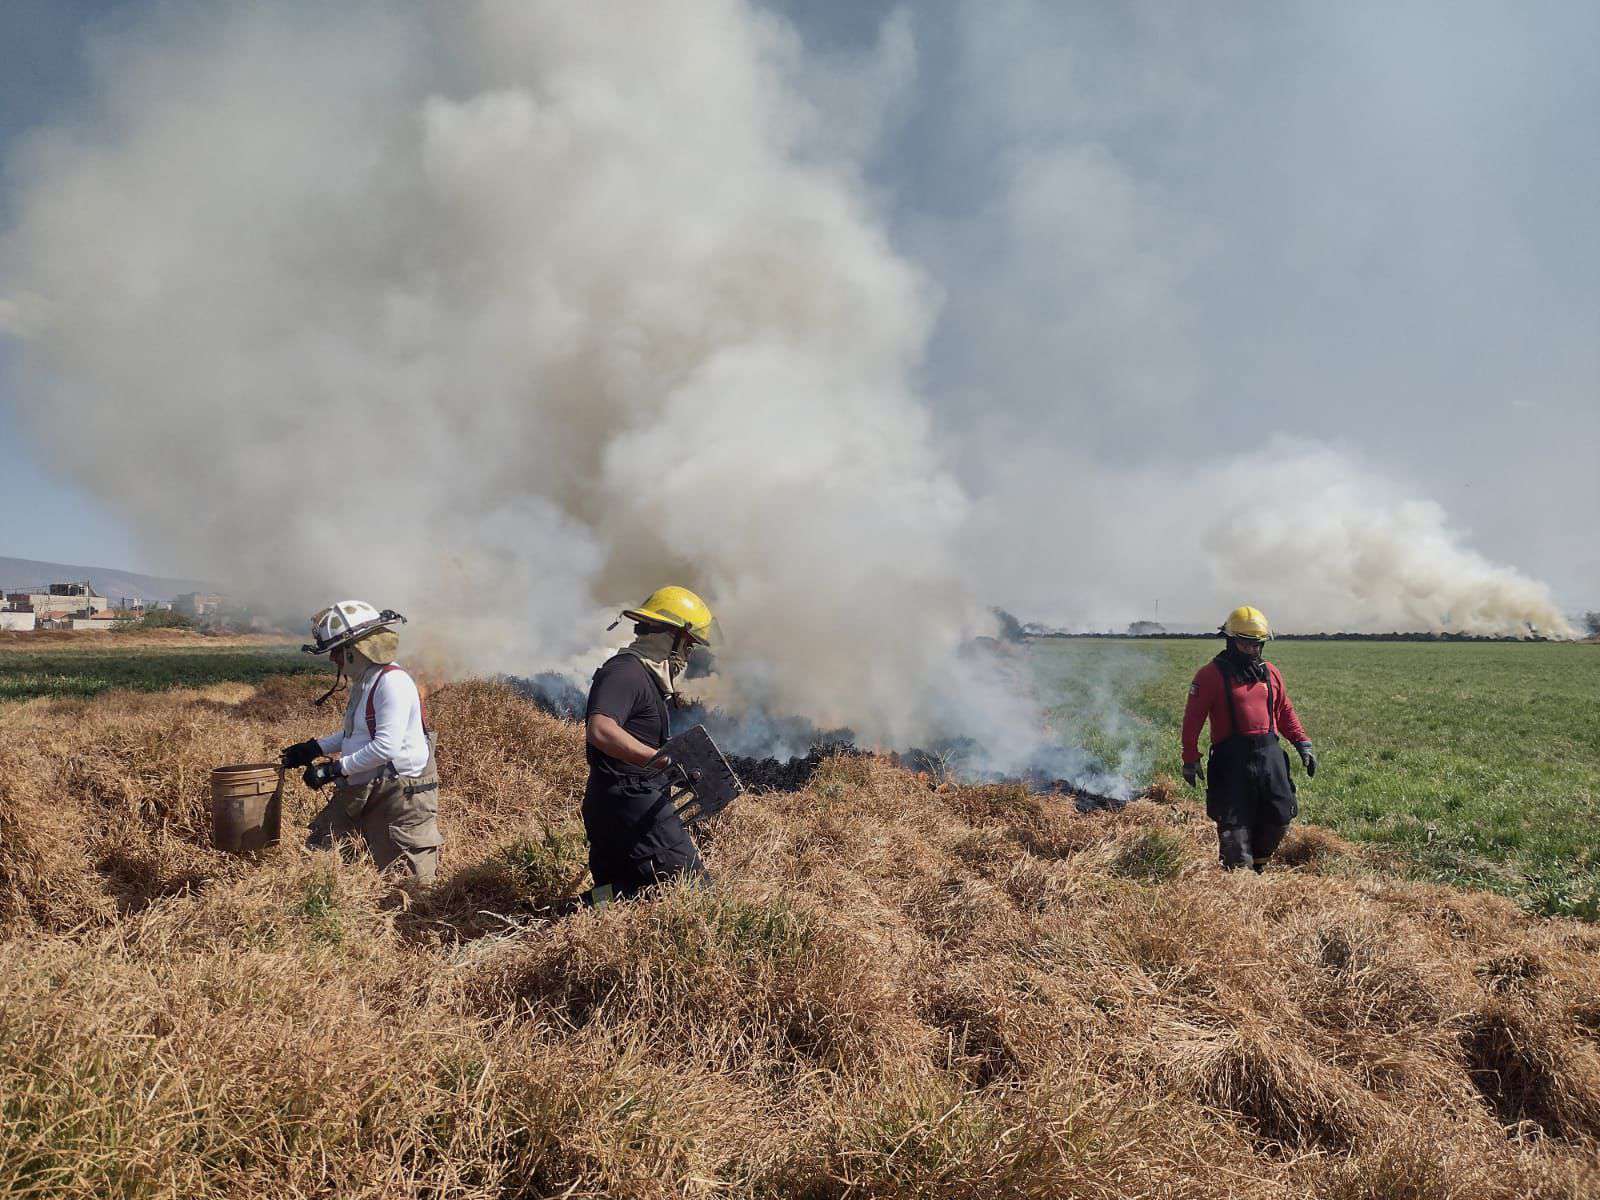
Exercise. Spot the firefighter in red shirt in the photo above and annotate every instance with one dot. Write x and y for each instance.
(1248, 790)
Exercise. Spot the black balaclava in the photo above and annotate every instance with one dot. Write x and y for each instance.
(1241, 666)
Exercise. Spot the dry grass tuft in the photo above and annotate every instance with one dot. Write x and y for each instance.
(893, 987)
(1533, 1072)
(1312, 846)
(1280, 1090)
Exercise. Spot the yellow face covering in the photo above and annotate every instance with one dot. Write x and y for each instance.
(380, 647)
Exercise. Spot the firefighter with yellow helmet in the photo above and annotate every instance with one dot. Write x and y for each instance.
(380, 761)
(1248, 790)
(635, 837)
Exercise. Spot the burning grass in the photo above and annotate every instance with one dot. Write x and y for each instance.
(894, 986)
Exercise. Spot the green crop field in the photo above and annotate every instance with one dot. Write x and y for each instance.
(1472, 763)
(58, 670)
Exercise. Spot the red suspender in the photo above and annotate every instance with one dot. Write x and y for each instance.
(372, 699)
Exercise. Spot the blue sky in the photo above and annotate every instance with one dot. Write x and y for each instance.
(42, 70)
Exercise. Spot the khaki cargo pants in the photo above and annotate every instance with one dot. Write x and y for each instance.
(397, 816)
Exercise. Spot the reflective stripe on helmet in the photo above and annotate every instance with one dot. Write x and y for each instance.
(348, 621)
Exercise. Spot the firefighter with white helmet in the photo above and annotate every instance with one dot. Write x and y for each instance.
(1248, 790)
(381, 763)
(635, 837)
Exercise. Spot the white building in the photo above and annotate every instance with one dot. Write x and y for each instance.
(100, 623)
(78, 597)
(61, 598)
(19, 622)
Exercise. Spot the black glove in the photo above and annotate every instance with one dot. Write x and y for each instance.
(301, 754)
(1308, 760)
(1192, 774)
(319, 774)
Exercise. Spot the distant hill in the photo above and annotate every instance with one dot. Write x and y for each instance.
(20, 574)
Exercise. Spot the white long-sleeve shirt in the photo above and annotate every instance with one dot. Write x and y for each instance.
(398, 738)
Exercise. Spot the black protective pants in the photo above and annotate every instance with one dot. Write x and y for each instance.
(1251, 798)
(635, 837)
(1248, 845)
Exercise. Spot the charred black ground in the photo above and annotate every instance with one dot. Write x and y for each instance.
(784, 775)
(561, 697)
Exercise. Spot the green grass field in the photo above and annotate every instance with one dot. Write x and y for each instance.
(1475, 764)
(71, 670)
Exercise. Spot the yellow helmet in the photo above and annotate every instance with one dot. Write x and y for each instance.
(681, 609)
(1247, 622)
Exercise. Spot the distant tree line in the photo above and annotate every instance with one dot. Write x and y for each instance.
(160, 618)
(233, 619)
(1395, 636)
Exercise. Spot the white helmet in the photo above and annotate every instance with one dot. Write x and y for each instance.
(347, 622)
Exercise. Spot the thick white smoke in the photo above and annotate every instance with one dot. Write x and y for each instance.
(504, 312)
(498, 321)
(1317, 537)
(1308, 531)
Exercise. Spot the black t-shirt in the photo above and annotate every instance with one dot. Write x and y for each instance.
(626, 691)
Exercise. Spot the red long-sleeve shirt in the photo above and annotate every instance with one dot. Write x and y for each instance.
(1206, 700)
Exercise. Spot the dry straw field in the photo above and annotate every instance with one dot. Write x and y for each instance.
(892, 989)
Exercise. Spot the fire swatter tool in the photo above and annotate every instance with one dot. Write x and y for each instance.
(703, 784)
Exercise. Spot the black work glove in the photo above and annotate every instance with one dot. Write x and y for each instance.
(319, 774)
(301, 754)
(1308, 760)
(1192, 774)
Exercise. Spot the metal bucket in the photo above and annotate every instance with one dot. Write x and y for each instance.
(246, 807)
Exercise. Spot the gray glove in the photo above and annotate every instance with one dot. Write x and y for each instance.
(1308, 760)
(1192, 774)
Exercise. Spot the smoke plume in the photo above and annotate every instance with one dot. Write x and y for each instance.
(504, 313)
(1308, 531)
(499, 322)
